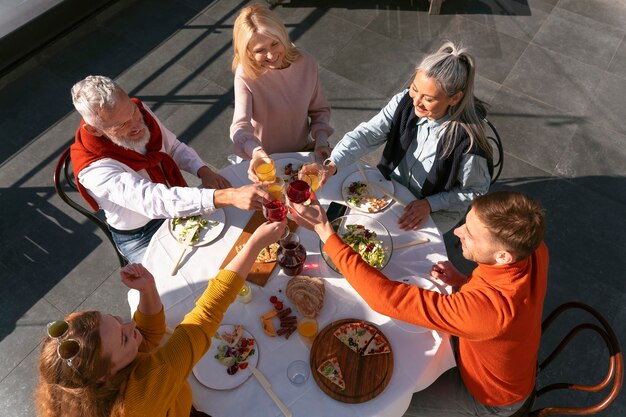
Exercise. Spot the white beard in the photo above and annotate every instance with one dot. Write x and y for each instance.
(137, 145)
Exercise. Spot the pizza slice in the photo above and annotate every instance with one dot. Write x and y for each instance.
(233, 337)
(331, 370)
(355, 335)
(376, 346)
(267, 254)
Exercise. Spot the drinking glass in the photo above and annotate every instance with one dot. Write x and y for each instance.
(275, 210)
(298, 372)
(307, 328)
(276, 189)
(264, 168)
(299, 190)
(315, 173)
(245, 294)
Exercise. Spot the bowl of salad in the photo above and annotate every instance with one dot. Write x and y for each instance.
(366, 236)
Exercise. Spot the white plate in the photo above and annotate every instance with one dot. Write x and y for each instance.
(211, 373)
(207, 235)
(372, 176)
(426, 284)
(283, 162)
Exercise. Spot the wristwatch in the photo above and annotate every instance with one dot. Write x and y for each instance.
(327, 163)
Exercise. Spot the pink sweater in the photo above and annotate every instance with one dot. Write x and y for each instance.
(278, 110)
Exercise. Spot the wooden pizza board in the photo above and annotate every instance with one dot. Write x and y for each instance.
(260, 272)
(365, 376)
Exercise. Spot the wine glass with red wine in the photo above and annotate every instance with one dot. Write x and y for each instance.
(274, 208)
(299, 190)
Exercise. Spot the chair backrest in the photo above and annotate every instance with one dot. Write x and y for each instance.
(63, 170)
(498, 151)
(613, 378)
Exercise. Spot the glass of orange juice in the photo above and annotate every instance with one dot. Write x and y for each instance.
(307, 328)
(265, 169)
(276, 189)
(315, 173)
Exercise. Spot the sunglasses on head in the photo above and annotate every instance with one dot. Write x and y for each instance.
(67, 349)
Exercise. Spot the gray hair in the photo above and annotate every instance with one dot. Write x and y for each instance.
(453, 70)
(93, 94)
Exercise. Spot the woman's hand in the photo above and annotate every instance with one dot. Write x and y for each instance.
(322, 153)
(263, 236)
(446, 272)
(137, 277)
(312, 217)
(414, 214)
(258, 153)
(267, 233)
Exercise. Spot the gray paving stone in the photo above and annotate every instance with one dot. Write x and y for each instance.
(16, 390)
(618, 63)
(361, 59)
(520, 20)
(607, 11)
(565, 82)
(531, 130)
(578, 36)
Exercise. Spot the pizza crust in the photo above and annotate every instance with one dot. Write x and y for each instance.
(268, 254)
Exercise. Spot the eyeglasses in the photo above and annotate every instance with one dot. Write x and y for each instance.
(67, 349)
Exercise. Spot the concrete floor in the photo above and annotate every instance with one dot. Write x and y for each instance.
(553, 71)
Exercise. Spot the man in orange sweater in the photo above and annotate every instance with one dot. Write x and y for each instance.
(496, 312)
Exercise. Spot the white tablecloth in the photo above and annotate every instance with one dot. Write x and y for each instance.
(419, 358)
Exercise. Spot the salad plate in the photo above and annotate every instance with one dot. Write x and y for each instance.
(285, 170)
(422, 282)
(366, 236)
(212, 373)
(358, 195)
(211, 225)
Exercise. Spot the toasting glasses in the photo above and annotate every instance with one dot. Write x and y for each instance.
(67, 349)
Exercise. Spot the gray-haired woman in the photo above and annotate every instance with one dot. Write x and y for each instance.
(434, 138)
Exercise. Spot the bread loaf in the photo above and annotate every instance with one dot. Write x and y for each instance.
(307, 294)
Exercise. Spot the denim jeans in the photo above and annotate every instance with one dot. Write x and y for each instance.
(448, 397)
(134, 246)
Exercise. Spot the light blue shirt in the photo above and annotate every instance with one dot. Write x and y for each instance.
(473, 179)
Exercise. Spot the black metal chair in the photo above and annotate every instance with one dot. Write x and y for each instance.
(63, 170)
(498, 151)
(613, 378)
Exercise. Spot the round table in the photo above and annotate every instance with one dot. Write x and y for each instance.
(419, 358)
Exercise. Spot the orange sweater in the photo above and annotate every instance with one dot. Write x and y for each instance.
(158, 384)
(496, 314)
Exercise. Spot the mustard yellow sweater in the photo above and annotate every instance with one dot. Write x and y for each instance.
(157, 385)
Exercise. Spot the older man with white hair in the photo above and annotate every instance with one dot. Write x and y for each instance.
(129, 165)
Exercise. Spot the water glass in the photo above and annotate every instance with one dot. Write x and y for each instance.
(298, 372)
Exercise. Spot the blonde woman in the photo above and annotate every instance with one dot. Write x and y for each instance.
(279, 103)
(94, 364)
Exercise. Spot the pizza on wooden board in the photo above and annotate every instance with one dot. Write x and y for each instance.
(377, 345)
(362, 339)
(331, 370)
(355, 335)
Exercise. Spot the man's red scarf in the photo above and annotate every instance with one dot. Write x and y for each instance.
(159, 165)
